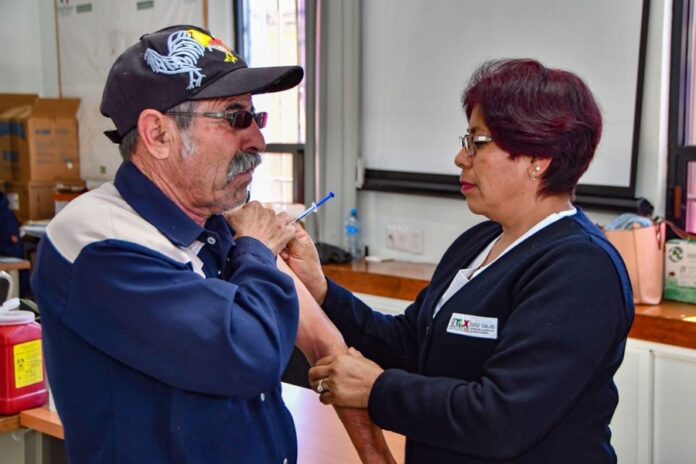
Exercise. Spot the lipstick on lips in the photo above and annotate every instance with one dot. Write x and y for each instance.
(466, 187)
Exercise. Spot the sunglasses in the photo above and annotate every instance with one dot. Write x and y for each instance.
(236, 119)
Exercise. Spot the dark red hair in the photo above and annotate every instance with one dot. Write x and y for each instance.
(540, 112)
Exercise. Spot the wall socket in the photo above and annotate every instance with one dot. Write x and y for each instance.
(405, 238)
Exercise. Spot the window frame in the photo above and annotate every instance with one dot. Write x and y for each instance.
(298, 150)
(678, 153)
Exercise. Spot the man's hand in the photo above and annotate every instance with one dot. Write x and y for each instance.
(253, 220)
(302, 257)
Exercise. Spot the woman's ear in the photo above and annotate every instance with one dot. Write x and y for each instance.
(157, 133)
(539, 165)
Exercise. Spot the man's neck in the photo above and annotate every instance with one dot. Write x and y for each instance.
(170, 190)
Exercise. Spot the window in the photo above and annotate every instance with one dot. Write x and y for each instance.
(690, 216)
(272, 33)
(681, 176)
(689, 77)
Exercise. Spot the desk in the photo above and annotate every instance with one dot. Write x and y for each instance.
(13, 264)
(320, 434)
(670, 322)
(42, 420)
(9, 423)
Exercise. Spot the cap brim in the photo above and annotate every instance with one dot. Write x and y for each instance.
(252, 80)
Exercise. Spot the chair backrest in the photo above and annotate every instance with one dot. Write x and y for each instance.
(5, 286)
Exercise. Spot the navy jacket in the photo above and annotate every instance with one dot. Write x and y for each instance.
(165, 341)
(530, 383)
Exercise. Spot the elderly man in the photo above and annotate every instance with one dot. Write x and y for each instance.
(166, 327)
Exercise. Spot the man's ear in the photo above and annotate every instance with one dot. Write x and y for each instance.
(157, 133)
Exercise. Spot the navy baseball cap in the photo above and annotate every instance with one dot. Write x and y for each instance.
(177, 64)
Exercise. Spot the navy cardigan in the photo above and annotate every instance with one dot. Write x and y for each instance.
(517, 366)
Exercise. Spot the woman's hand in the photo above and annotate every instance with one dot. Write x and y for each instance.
(301, 256)
(345, 379)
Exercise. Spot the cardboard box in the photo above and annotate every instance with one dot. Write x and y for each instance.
(680, 270)
(41, 136)
(9, 130)
(31, 200)
(12, 107)
(67, 191)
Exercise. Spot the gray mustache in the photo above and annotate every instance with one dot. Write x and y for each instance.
(243, 161)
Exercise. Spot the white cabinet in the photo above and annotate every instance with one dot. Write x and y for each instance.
(631, 426)
(674, 437)
(655, 420)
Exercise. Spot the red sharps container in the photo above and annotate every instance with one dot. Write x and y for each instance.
(22, 384)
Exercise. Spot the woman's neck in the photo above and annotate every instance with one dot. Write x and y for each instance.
(516, 225)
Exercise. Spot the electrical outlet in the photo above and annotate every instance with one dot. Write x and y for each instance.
(390, 239)
(404, 238)
(417, 239)
(398, 237)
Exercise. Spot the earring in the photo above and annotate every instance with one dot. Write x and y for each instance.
(533, 174)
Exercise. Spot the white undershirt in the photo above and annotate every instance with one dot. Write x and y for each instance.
(465, 275)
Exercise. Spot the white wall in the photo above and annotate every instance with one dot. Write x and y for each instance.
(444, 218)
(28, 63)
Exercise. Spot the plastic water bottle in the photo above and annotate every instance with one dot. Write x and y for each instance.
(354, 241)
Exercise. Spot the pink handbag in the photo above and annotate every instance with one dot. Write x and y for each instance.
(643, 252)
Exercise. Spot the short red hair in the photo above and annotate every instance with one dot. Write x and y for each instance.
(536, 111)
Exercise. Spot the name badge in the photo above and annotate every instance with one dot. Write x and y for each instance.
(473, 326)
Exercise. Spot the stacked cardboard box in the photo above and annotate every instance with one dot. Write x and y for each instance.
(38, 147)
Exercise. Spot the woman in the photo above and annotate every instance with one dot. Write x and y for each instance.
(509, 354)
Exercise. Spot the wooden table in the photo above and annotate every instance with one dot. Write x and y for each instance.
(320, 434)
(9, 423)
(13, 264)
(670, 322)
(42, 420)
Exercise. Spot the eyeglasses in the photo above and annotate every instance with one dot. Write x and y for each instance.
(237, 119)
(471, 143)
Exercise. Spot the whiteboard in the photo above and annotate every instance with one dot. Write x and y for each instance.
(417, 57)
(91, 36)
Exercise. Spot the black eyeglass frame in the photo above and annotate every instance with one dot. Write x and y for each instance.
(236, 119)
(470, 142)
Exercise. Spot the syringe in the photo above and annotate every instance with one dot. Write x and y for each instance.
(312, 209)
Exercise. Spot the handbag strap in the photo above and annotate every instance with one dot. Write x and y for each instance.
(679, 232)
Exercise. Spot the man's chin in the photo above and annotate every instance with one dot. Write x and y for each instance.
(240, 185)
